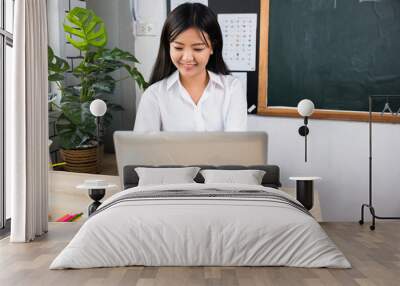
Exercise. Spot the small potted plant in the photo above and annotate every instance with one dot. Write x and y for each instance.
(75, 125)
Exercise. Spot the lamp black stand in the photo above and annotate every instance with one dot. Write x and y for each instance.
(369, 205)
(96, 195)
(98, 129)
(304, 193)
(303, 131)
(98, 168)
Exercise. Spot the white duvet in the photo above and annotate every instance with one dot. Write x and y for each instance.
(193, 231)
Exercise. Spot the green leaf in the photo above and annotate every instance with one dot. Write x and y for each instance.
(137, 76)
(70, 98)
(56, 77)
(76, 132)
(72, 111)
(70, 94)
(88, 28)
(56, 66)
(117, 54)
(107, 85)
(71, 140)
(62, 121)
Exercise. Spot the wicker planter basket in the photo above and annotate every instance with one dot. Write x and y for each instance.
(88, 160)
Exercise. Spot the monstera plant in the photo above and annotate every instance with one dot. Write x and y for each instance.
(91, 79)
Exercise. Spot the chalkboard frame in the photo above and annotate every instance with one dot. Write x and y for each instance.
(265, 110)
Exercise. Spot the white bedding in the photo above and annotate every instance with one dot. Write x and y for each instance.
(200, 231)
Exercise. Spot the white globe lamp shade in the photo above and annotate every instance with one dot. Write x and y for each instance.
(98, 107)
(305, 107)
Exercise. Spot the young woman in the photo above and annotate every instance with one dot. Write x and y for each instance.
(191, 89)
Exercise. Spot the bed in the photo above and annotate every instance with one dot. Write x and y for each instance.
(203, 222)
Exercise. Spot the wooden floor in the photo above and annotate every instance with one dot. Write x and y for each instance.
(375, 257)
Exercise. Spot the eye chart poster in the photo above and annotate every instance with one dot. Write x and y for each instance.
(239, 34)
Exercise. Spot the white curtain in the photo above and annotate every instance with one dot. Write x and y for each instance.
(27, 123)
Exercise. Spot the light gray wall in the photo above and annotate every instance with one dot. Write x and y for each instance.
(338, 152)
(117, 18)
(146, 47)
(54, 20)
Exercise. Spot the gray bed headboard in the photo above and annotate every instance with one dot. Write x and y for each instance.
(189, 148)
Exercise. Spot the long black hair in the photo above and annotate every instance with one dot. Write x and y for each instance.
(189, 15)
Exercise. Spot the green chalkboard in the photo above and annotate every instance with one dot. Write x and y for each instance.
(334, 52)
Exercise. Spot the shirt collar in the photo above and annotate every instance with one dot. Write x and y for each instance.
(174, 77)
(215, 78)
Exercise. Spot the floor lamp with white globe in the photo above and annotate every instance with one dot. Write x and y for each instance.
(98, 108)
(305, 109)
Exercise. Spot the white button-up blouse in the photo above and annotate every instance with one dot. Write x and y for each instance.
(167, 106)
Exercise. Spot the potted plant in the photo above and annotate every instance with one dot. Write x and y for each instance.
(75, 125)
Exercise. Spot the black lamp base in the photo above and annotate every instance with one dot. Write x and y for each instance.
(303, 130)
(304, 193)
(93, 207)
(96, 195)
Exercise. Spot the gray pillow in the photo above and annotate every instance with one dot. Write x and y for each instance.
(163, 176)
(248, 177)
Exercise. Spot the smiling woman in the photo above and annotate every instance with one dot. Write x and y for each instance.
(191, 89)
